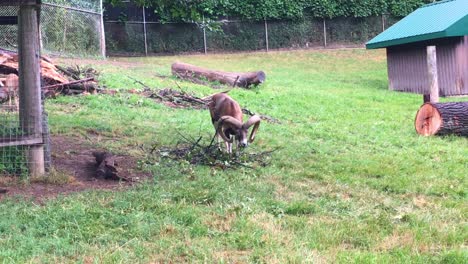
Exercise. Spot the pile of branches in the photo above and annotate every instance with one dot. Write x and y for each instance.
(196, 153)
(80, 81)
(55, 79)
(181, 99)
(176, 98)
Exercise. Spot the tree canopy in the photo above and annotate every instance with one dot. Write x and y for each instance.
(195, 10)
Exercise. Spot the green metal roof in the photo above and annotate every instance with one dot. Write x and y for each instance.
(442, 19)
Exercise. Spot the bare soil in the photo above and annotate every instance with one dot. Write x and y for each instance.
(73, 157)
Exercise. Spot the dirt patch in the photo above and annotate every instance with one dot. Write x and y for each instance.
(72, 157)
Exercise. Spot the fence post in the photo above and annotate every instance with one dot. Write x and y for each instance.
(383, 22)
(64, 38)
(432, 73)
(324, 33)
(266, 35)
(103, 33)
(204, 35)
(144, 31)
(30, 85)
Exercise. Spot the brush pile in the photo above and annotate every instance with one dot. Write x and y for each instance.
(181, 99)
(55, 79)
(197, 153)
(176, 98)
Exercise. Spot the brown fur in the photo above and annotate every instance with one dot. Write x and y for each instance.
(223, 105)
(11, 88)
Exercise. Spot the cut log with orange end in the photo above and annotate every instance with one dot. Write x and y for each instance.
(442, 119)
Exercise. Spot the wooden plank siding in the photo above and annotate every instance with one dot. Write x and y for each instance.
(407, 70)
(407, 67)
(462, 73)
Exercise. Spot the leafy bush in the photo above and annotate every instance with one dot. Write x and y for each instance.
(182, 10)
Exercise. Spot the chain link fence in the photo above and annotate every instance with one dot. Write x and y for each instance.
(132, 30)
(72, 28)
(8, 33)
(68, 28)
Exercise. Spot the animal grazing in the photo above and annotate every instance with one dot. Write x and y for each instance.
(226, 116)
(9, 92)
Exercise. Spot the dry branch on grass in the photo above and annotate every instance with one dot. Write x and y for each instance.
(181, 99)
(197, 152)
(176, 98)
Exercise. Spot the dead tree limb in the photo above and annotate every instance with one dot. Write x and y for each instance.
(68, 83)
(190, 72)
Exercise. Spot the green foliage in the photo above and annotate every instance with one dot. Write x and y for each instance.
(12, 159)
(195, 10)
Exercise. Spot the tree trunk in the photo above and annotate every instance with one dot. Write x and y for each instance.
(187, 71)
(442, 119)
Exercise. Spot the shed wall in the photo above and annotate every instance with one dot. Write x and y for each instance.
(407, 67)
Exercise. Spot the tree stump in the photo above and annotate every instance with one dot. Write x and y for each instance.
(106, 165)
(442, 119)
(190, 72)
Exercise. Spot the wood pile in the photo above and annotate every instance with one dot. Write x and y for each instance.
(55, 79)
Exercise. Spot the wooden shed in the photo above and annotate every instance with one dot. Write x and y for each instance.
(31, 117)
(442, 24)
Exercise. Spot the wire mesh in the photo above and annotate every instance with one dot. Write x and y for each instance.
(125, 38)
(17, 131)
(352, 30)
(126, 11)
(237, 36)
(125, 34)
(8, 33)
(295, 34)
(66, 31)
(390, 20)
(174, 38)
(89, 5)
(13, 157)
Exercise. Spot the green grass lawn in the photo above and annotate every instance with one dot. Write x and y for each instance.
(351, 181)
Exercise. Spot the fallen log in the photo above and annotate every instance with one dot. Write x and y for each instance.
(442, 119)
(87, 85)
(193, 73)
(67, 83)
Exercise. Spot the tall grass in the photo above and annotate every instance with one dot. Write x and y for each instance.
(351, 182)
